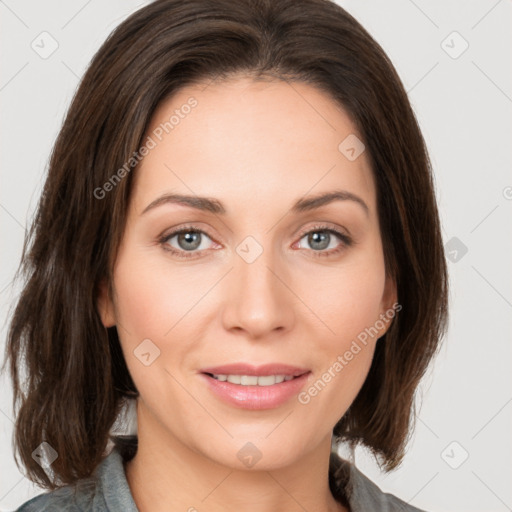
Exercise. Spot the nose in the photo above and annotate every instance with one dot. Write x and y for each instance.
(259, 300)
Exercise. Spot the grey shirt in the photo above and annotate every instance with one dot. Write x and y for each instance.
(107, 490)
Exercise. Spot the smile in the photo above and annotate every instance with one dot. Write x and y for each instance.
(255, 388)
(253, 380)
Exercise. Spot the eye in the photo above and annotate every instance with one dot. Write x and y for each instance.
(322, 237)
(188, 239)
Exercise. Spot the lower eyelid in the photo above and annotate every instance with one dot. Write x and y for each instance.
(344, 239)
(164, 240)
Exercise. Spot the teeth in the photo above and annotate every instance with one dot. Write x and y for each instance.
(267, 380)
(249, 380)
(253, 380)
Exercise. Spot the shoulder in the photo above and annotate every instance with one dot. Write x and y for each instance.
(368, 496)
(363, 494)
(70, 498)
(106, 489)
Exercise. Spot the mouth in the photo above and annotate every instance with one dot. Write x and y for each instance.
(252, 380)
(248, 387)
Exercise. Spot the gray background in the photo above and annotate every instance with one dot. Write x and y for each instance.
(459, 458)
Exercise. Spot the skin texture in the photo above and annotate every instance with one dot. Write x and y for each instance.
(257, 147)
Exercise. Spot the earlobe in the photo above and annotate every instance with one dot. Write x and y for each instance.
(105, 305)
(390, 296)
(389, 305)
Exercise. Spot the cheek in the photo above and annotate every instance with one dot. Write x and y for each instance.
(155, 298)
(348, 305)
(162, 303)
(152, 297)
(347, 301)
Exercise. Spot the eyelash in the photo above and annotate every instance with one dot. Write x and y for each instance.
(345, 239)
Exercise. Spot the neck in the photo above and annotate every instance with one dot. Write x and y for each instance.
(166, 475)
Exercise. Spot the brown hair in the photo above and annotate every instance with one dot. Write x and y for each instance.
(76, 377)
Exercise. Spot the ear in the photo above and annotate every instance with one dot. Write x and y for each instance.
(389, 305)
(105, 305)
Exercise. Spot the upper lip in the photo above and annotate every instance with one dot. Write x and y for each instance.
(260, 371)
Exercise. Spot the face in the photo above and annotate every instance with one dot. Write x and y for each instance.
(278, 290)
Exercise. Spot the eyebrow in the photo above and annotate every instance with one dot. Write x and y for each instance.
(212, 205)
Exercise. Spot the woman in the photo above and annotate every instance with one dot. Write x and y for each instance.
(239, 231)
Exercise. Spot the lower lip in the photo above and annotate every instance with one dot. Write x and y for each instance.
(256, 397)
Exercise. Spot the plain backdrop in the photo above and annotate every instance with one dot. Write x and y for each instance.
(454, 60)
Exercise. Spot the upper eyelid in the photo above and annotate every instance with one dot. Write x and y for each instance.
(345, 241)
(325, 226)
(320, 226)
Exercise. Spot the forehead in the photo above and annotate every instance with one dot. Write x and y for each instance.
(251, 142)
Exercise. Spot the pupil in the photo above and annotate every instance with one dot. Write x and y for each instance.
(191, 237)
(322, 238)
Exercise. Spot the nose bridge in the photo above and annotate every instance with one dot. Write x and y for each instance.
(253, 264)
(258, 302)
